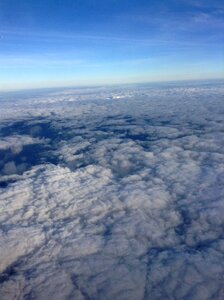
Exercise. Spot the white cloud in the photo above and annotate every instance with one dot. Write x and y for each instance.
(133, 208)
(16, 142)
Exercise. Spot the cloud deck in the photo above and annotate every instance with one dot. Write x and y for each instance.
(113, 193)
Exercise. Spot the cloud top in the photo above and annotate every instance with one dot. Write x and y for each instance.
(131, 206)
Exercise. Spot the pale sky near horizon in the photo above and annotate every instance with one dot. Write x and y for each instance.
(63, 43)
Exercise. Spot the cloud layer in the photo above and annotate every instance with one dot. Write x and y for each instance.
(124, 196)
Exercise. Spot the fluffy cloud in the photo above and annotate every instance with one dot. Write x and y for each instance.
(131, 206)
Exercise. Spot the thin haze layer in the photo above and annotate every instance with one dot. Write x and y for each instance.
(113, 193)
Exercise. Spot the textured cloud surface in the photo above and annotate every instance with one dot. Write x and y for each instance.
(113, 194)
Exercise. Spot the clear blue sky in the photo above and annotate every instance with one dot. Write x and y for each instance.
(73, 42)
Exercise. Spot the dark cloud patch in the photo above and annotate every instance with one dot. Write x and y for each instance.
(9, 272)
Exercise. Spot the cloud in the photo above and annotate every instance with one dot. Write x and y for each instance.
(10, 168)
(131, 206)
(15, 143)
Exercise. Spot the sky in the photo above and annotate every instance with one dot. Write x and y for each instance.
(49, 43)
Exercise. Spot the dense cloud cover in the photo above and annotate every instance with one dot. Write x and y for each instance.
(113, 193)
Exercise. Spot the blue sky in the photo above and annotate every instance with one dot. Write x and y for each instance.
(78, 42)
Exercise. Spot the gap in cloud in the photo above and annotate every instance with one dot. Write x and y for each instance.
(16, 159)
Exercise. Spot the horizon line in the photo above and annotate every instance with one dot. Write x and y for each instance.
(106, 84)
